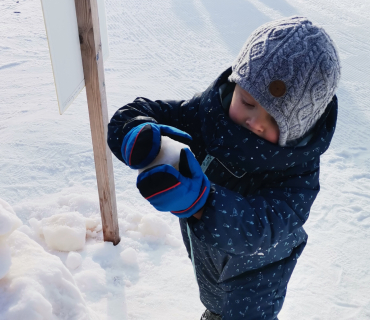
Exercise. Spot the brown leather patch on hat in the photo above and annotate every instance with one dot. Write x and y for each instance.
(277, 88)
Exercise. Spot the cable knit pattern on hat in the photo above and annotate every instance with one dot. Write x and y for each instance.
(302, 56)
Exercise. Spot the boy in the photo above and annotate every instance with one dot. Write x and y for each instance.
(242, 195)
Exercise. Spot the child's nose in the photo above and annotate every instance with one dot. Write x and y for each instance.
(255, 124)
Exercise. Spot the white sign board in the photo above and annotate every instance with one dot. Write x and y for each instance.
(64, 46)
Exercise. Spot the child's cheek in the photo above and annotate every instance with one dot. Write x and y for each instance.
(273, 136)
(233, 114)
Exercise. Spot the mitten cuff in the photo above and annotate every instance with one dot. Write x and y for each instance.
(148, 137)
(198, 203)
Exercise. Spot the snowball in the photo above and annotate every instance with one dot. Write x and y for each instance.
(8, 220)
(169, 154)
(5, 259)
(74, 260)
(38, 285)
(65, 231)
(152, 225)
(129, 256)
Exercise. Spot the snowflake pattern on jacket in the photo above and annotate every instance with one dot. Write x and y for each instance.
(250, 236)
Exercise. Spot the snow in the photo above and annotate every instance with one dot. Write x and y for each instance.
(64, 231)
(8, 223)
(73, 260)
(38, 285)
(129, 256)
(8, 220)
(164, 49)
(5, 261)
(168, 154)
(151, 225)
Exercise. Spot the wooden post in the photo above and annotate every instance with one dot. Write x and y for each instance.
(92, 61)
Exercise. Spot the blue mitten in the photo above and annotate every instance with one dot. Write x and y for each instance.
(143, 143)
(182, 192)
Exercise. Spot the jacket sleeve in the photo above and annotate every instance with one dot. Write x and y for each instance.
(180, 114)
(239, 225)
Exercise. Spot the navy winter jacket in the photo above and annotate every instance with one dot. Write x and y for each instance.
(262, 193)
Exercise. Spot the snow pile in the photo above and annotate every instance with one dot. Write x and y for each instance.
(34, 284)
(65, 231)
(38, 286)
(8, 223)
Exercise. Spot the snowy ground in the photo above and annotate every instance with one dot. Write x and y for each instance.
(164, 49)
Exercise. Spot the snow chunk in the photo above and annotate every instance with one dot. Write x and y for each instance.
(36, 226)
(152, 225)
(8, 220)
(8, 223)
(38, 285)
(129, 256)
(74, 260)
(5, 259)
(65, 231)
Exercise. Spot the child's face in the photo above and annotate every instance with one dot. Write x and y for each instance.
(248, 113)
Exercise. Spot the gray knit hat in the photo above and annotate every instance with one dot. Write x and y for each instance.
(291, 67)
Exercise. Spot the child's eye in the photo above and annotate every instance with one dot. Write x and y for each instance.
(248, 105)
